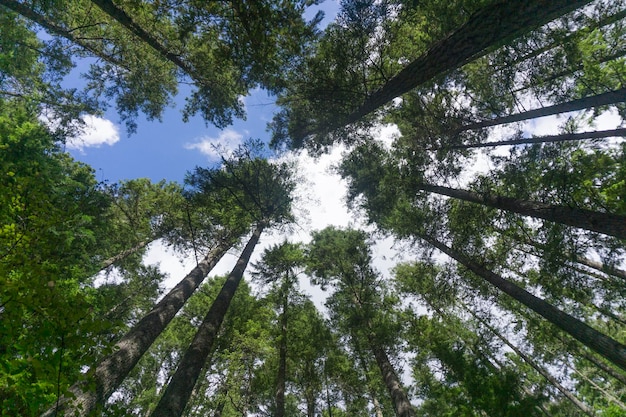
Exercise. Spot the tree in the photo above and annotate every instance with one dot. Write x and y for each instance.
(263, 192)
(344, 257)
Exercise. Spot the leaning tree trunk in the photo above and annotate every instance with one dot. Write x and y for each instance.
(565, 137)
(543, 372)
(55, 29)
(178, 391)
(399, 399)
(612, 97)
(112, 370)
(609, 348)
(485, 30)
(606, 223)
(125, 253)
(123, 18)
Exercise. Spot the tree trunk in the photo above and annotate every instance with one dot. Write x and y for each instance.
(604, 367)
(55, 29)
(123, 18)
(602, 267)
(177, 392)
(398, 397)
(606, 223)
(612, 97)
(112, 370)
(282, 357)
(544, 373)
(599, 342)
(109, 262)
(485, 30)
(541, 139)
(610, 397)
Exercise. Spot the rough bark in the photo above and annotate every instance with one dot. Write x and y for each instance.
(606, 223)
(541, 139)
(178, 391)
(112, 370)
(398, 397)
(487, 29)
(593, 339)
(612, 97)
(543, 372)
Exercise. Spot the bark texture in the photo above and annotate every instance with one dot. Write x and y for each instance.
(593, 339)
(398, 397)
(112, 370)
(178, 391)
(487, 29)
(605, 223)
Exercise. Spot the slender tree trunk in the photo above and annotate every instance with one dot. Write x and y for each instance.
(606, 223)
(602, 267)
(595, 340)
(177, 392)
(604, 367)
(55, 29)
(606, 394)
(112, 370)
(398, 397)
(544, 373)
(282, 357)
(612, 97)
(485, 30)
(122, 255)
(541, 139)
(123, 18)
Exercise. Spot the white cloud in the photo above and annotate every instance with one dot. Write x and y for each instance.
(227, 141)
(95, 133)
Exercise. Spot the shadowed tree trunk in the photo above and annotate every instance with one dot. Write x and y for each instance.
(485, 30)
(400, 401)
(112, 370)
(178, 391)
(606, 223)
(599, 342)
(541, 139)
(282, 355)
(612, 97)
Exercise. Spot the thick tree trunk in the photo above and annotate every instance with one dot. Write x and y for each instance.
(541, 139)
(606, 223)
(112, 370)
(398, 397)
(612, 97)
(487, 29)
(177, 392)
(544, 373)
(282, 359)
(599, 342)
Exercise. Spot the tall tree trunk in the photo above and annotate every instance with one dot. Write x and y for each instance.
(112, 370)
(122, 255)
(123, 18)
(177, 392)
(606, 223)
(599, 342)
(604, 367)
(612, 97)
(282, 356)
(398, 397)
(55, 29)
(485, 30)
(610, 397)
(543, 372)
(541, 139)
(602, 267)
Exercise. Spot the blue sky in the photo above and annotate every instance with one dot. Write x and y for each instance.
(168, 149)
